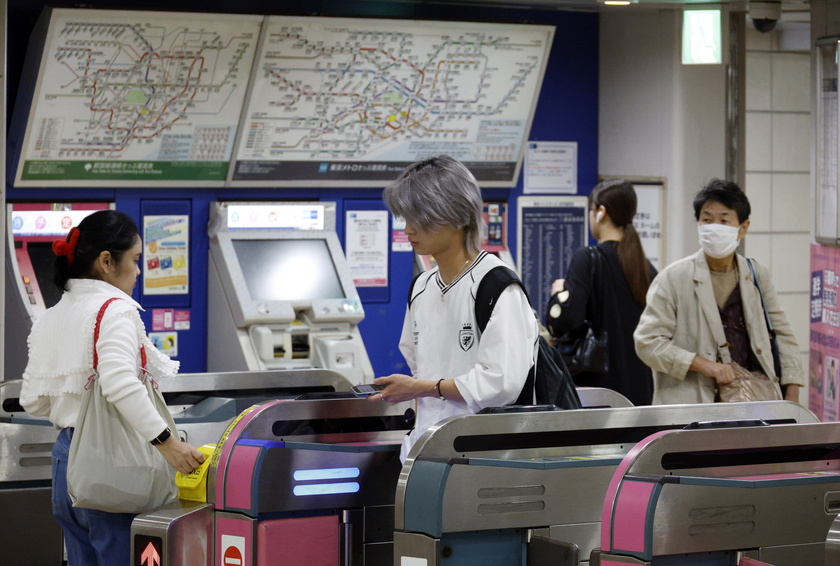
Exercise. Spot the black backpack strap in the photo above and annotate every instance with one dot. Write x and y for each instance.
(411, 288)
(489, 289)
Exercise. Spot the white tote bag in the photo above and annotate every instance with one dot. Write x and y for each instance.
(111, 467)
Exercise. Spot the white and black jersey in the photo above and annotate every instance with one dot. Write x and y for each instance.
(440, 340)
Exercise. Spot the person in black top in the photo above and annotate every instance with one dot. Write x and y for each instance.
(625, 276)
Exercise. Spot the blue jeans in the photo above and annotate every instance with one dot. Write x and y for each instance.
(92, 538)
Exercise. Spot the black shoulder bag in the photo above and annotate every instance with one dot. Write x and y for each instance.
(586, 348)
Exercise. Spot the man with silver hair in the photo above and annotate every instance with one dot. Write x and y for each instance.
(455, 369)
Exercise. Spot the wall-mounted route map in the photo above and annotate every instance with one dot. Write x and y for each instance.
(352, 101)
(137, 97)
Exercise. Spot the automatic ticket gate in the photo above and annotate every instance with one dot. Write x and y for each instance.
(304, 482)
(298, 482)
(203, 406)
(516, 489)
(711, 497)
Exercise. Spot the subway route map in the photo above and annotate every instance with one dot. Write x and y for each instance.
(138, 96)
(345, 99)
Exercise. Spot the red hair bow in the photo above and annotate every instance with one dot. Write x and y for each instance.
(67, 247)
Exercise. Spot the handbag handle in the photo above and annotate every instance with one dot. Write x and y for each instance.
(99, 316)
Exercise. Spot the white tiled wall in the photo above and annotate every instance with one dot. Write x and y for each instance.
(777, 180)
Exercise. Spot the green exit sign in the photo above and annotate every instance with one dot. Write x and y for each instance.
(701, 43)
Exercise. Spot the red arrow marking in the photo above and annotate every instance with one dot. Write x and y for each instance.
(150, 556)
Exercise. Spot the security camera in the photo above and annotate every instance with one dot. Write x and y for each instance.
(765, 14)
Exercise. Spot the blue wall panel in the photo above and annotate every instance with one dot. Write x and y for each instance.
(567, 111)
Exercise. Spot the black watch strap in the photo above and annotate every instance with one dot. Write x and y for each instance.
(162, 437)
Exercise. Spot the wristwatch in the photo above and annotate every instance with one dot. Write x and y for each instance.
(162, 437)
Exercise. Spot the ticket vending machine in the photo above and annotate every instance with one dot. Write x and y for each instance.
(280, 293)
(494, 236)
(32, 227)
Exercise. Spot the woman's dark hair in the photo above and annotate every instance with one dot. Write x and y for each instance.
(104, 230)
(726, 193)
(618, 197)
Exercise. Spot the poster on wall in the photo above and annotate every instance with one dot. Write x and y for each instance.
(126, 97)
(824, 360)
(649, 220)
(348, 101)
(166, 255)
(366, 246)
(551, 168)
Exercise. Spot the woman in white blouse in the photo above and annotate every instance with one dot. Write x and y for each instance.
(98, 261)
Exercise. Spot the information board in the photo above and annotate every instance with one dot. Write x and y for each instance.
(124, 97)
(549, 230)
(340, 101)
(827, 206)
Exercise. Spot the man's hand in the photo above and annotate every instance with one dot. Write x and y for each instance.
(721, 373)
(791, 393)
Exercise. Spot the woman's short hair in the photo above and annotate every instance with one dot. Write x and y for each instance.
(104, 230)
(726, 193)
(439, 191)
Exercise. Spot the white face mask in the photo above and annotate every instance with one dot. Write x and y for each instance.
(718, 240)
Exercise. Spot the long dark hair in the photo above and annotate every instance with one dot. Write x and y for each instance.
(619, 200)
(103, 230)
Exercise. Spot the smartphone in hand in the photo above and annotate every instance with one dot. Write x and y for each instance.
(366, 389)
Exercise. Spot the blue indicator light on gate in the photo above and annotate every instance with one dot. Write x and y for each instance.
(326, 474)
(326, 488)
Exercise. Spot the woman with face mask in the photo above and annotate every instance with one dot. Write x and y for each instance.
(693, 299)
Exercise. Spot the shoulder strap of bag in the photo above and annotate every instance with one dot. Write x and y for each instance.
(774, 346)
(596, 274)
(411, 288)
(489, 289)
(760, 294)
(99, 316)
(712, 316)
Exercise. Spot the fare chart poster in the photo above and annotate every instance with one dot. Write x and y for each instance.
(824, 362)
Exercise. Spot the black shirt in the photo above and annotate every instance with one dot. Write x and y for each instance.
(619, 313)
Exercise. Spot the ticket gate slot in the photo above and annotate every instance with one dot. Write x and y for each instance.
(477, 488)
(711, 497)
(305, 481)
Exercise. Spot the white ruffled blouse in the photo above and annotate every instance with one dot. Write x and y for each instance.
(61, 358)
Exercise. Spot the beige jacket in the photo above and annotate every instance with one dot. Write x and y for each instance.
(675, 326)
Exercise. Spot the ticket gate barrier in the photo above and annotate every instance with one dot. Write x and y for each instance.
(601, 398)
(339, 529)
(203, 406)
(710, 497)
(481, 489)
(832, 543)
(304, 481)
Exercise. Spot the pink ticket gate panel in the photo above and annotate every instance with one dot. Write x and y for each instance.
(307, 481)
(715, 497)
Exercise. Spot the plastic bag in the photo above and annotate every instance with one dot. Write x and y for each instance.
(749, 386)
(111, 467)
